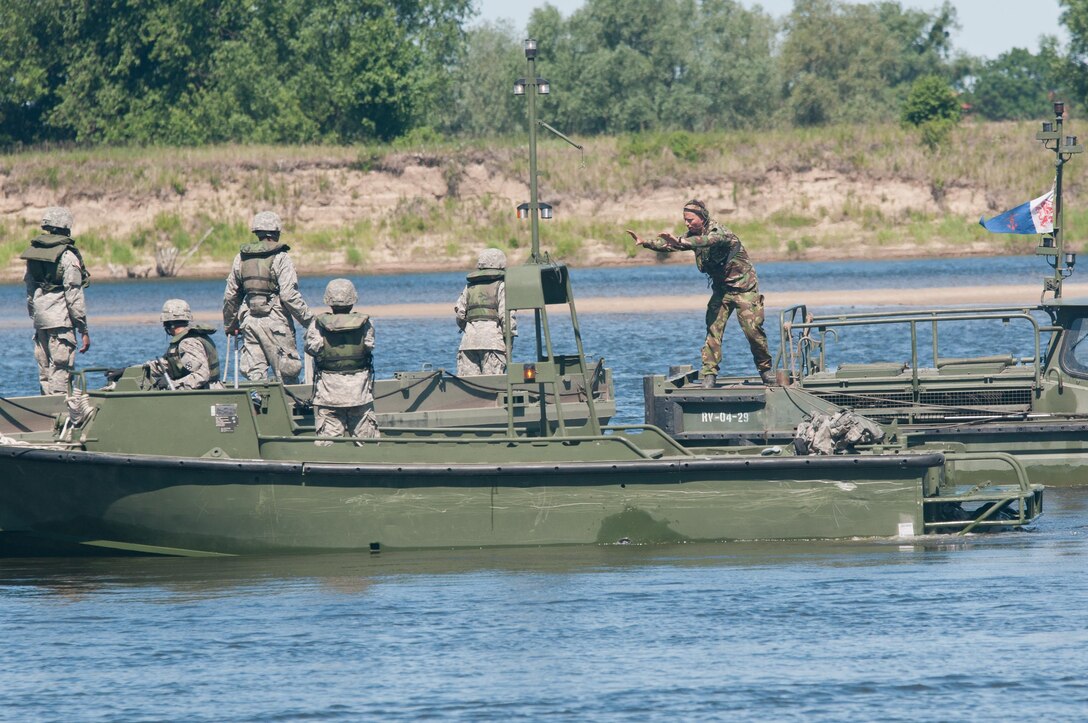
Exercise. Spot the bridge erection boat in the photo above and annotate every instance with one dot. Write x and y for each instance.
(522, 459)
(235, 471)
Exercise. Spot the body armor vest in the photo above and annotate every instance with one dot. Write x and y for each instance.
(714, 260)
(43, 261)
(258, 283)
(482, 301)
(344, 351)
(176, 369)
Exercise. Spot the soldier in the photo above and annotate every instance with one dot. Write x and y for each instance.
(191, 361)
(55, 278)
(720, 255)
(260, 300)
(481, 315)
(342, 345)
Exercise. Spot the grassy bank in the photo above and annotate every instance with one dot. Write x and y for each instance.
(826, 192)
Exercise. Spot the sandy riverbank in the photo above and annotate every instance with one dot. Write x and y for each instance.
(1026, 294)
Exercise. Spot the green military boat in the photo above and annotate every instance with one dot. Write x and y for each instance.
(522, 459)
(239, 473)
(1034, 405)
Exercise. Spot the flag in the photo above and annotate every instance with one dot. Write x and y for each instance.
(1036, 216)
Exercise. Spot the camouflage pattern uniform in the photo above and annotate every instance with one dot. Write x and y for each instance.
(266, 320)
(191, 361)
(342, 344)
(55, 278)
(734, 287)
(481, 315)
(189, 352)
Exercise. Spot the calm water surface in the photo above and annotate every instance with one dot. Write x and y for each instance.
(983, 628)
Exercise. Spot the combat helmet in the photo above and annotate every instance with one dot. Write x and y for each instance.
(340, 292)
(176, 310)
(266, 222)
(491, 259)
(57, 217)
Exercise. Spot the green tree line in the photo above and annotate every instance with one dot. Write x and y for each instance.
(189, 72)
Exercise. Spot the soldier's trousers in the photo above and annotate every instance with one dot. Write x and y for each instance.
(749, 308)
(55, 352)
(474, 362)
(345, 422)
(264, 336)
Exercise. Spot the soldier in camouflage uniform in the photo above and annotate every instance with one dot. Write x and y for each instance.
(720, 255)
(55, 279)
(481, 315)
(342, 345)
(260, 301)
(191, 361)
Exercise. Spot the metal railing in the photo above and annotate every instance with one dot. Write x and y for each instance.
(795, 354)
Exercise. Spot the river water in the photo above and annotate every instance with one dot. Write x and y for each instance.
(979, 628)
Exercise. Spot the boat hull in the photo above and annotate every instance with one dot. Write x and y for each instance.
(202, 506)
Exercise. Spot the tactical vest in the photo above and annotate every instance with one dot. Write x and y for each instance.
(482, 300)
(258, 283)
(714, 259)
(176, 369)
(344, 350)
(43, 261)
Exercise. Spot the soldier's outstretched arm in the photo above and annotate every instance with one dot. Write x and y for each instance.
(713, 237)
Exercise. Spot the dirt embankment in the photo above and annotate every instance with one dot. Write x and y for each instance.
(812, 214)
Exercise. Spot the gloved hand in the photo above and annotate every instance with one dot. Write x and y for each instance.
(161, 383)
(113, 375)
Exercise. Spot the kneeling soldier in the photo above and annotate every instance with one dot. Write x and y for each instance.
(191, 361)
(342, 345)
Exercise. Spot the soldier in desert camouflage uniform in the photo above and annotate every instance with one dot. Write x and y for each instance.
(191, 361)
(55, 279)
(342, 345)
(481, 315)
(720, 255)
(260, 300)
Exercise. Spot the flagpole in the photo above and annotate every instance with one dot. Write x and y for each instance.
(1059, 237)
(1053, 245)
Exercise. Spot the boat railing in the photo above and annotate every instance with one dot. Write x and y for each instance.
(1022, 497)
(802, 353)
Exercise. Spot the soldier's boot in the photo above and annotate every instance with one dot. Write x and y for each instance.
(709, 380)
(768, 378)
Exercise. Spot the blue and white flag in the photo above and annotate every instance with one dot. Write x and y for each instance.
(1036, 216)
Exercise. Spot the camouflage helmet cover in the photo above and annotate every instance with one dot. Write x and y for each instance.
(176, 310)
(491, 259)
(265, 221)
(340, 292)
(57, 217)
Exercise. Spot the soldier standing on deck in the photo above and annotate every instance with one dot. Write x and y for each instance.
(720, 255)
(342, 345)
(259, 302)
(55, 279)
(481, 315)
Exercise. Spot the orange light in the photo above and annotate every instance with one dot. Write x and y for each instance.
(529, 373)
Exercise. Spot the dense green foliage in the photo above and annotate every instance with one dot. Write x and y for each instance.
(198, 71)
(930, 99)
(1018, 83)
(190, 72)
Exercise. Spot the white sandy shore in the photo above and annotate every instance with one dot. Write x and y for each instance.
(1027, 294)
